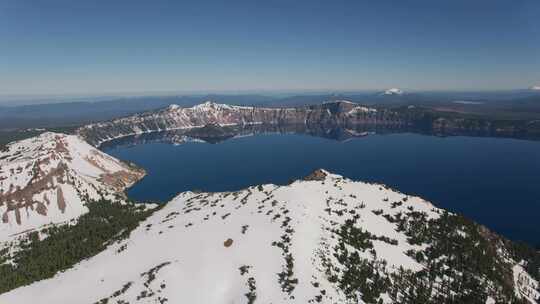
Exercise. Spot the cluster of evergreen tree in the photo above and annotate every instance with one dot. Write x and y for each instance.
(462, 263)
(66, 245)
(531, 256)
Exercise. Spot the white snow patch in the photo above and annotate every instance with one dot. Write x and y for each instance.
(394, 91)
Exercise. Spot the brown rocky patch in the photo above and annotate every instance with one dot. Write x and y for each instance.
(94, 163)
(46, 199)
(121, 179)
(18, 215)
(41, 209)
(60, 199)
(317, 175)
(228, 243)
(17, 197)
(60, 145)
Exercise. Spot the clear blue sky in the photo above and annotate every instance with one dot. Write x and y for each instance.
(61, 47)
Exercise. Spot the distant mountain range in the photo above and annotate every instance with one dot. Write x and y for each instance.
(510, 103)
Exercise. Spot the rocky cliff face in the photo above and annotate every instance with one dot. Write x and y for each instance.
(341, 113)
(454, 123)
(324, 239)
(46, 179)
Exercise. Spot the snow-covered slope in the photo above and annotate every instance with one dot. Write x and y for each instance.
(46, 178)
(323, 239)
(535, 88)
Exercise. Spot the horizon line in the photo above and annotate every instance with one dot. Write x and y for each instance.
(158, 93)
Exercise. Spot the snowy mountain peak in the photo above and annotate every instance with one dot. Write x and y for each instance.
(44, 180)
(535, 88)
(173, 107)
(393, 91)
(211, 106)
(202, 107)
(323, 239)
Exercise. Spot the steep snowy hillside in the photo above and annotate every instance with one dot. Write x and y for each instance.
(341, 113)
(324, 239)
(46, 178)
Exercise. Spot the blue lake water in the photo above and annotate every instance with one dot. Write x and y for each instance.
(494, 181)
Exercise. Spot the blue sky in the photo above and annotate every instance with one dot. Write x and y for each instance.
(98, 47)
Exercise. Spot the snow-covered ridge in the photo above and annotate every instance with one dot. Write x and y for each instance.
(339, 101)
(44, 180)
(213, 106)
(267, 244)
(175, 117)
(535, 88)
(351, 107)
(361, 109)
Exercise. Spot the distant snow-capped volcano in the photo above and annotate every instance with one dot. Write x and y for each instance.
(393, 91)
